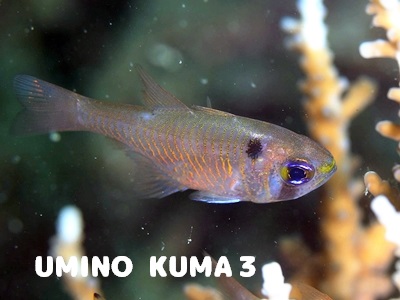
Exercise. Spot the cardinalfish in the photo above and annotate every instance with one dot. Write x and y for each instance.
(226, 158)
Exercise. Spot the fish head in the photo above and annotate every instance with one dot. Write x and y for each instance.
(299, 166)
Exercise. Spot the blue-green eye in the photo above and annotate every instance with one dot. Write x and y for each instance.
(297, 172)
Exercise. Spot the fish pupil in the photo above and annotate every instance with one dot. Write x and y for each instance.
(254, 148)
(297, 174)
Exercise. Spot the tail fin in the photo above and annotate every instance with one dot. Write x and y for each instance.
(47, 107)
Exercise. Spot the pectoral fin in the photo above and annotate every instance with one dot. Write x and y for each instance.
(149, 181)
(212, 198)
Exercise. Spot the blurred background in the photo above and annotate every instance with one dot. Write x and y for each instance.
(231, 51)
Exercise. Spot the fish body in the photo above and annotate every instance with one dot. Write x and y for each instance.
(226, 158)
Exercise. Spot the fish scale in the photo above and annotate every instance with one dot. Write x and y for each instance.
(226, 158)
(184, 139)
(184, 143)
(153, 138)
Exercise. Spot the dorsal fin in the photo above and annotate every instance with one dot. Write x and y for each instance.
(212, 111)
(155, 96)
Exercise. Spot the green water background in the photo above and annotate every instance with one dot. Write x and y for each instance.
(230, 51)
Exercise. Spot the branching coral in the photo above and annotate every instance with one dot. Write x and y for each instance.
(387, 16)
(274, 288)
(352, 266)
(390, 218)
(384, 207)
(68, 243)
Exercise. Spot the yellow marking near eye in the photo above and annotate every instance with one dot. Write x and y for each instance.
(327, 167)
(285, 173)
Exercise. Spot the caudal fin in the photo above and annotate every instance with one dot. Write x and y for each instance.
(47, 107)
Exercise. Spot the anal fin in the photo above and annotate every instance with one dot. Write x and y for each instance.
(213, 198)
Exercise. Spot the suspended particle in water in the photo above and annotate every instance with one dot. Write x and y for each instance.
(204, 81)
(55, 137)
(189, 240)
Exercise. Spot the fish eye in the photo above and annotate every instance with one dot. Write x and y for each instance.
(297, 172)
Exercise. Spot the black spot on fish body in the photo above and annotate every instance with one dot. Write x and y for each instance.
(254, 148)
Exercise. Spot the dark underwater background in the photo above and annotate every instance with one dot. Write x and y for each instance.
(231, 51)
